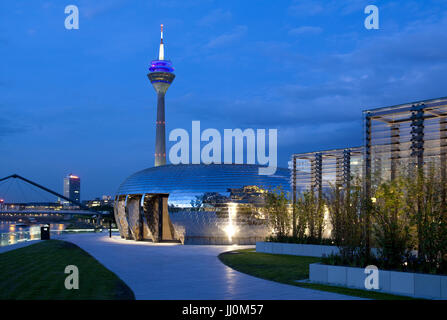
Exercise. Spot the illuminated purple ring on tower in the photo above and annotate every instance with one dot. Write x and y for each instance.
(161, 66)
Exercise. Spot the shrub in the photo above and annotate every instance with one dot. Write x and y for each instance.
(302, 240)
(344, 207)
(309, 210)
(277, 210)
(392, 223)
(427, 207)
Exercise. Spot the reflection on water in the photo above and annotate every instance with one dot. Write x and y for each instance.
(12, 232)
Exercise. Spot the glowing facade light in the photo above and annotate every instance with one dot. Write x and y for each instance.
(230, 230)
(327, 222)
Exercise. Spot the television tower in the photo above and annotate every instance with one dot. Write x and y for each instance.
(161, 76)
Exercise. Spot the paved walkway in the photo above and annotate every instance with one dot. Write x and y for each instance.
(174, 272)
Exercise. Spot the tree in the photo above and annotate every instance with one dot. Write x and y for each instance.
(392, 223)
(426, 205)
(301, 216)
(314, 207)
(344, 205)
(277, 209)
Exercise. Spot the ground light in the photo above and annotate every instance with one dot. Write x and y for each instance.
(231, 228)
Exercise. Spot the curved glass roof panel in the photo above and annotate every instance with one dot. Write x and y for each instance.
(185, 183)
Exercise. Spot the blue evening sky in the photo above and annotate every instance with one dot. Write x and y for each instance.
(79, 100)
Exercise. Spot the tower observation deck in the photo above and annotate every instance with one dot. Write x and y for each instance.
(161, 76)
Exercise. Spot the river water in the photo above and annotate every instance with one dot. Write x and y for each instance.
(11, 232)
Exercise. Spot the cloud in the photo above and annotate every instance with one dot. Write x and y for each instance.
(397, 67)
(214, 17)
(305, 8)
(305, 30)
(31, 31)
(176, 4)
(227, 38)
(326, 92)
(309, 135)
(4, 40)
(89, 10)
(47, 5)
(7, 128)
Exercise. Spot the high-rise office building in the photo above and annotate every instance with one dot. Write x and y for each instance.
(72, 188)
(161, 76)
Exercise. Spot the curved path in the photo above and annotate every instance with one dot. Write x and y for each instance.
(175, 272)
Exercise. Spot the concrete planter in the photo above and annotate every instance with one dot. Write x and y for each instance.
(309, 250)
(337, 275)
(416, 285)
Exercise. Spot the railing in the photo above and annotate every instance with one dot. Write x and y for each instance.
(9, 238)
(48, 211)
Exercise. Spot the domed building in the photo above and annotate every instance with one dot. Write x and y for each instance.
(194, 203)
(197, 203)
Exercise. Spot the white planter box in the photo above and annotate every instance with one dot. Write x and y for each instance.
(384, 281)
(307, 250)
(277, 248)
(427, 285)
(401, 283)
(260, 246)
(318, 272)
(286, 249)
(444, 288)
(355, 278)
(337, 275)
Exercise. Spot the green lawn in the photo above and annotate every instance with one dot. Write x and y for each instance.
(287, 269)
(37, 272)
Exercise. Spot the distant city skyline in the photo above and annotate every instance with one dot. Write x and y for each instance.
(79, 100)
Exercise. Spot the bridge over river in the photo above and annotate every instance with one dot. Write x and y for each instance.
(49, 212)
(76, 208)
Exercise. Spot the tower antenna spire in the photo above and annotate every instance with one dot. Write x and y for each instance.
(161, 74)
(161, 52)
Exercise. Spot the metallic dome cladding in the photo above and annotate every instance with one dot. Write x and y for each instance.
(184, 182)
